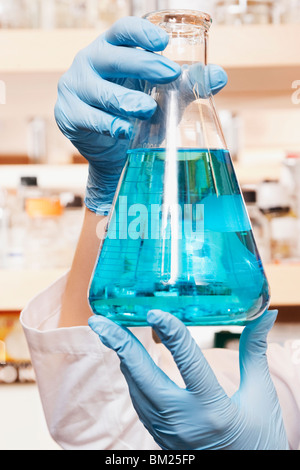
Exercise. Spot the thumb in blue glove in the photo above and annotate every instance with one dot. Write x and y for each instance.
(200, 416)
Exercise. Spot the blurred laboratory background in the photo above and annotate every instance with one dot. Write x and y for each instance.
(42, 177)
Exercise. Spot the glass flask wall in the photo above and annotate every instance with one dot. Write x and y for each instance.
(179, 237)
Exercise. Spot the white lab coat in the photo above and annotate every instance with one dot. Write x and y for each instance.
(85, 396)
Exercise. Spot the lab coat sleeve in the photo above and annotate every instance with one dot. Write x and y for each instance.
(83, 392)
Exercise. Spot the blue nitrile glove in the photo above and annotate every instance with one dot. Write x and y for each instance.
(100, 95)
(200, 416)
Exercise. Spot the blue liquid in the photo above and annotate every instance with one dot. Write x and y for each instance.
(198, 261)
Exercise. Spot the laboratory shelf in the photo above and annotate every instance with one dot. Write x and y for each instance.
(19, 286)
(239, 47)
(64, 177)
(73, 177)
(253, 46)
(284, 283)
(32, 51)
(254, 173)
(262, 63)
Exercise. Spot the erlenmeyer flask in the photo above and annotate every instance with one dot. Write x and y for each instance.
(179, 237)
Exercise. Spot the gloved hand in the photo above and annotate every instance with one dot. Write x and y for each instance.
(201, 416)
(102, 92)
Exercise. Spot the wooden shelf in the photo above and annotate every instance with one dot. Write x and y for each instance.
(262, 62)
(255, 46)
(75, 176)
(239, 47)
(33, 51)
(254, 174)
(283, 280)
(68, 177)
(284, 284)
(18, 287)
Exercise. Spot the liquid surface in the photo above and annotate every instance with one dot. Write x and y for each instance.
(179, 240)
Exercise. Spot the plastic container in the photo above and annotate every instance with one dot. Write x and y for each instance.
(14, 352)
(44, 246)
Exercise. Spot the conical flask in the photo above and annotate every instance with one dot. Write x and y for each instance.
(179, 237)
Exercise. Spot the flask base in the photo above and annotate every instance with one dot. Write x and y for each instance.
(188, 309)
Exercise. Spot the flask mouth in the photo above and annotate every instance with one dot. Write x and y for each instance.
(176, 19)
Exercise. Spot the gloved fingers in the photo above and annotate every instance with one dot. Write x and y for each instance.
(137, 32)
(74, 116)
(113, 98)
(199, 81)
(136, 364)
(217, 78)
(118, 62)
(194, 368)
(108, 155)
(253, 347)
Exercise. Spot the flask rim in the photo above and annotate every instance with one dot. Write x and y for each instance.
(180, 16)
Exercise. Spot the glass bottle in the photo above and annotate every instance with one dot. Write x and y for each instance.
(274, 202)
(103, 13)
(19, 14)
(290, 11)
(237, 12)
(179, 237)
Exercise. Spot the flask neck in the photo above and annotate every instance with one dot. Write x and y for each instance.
(185, 116)
(188, 34)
